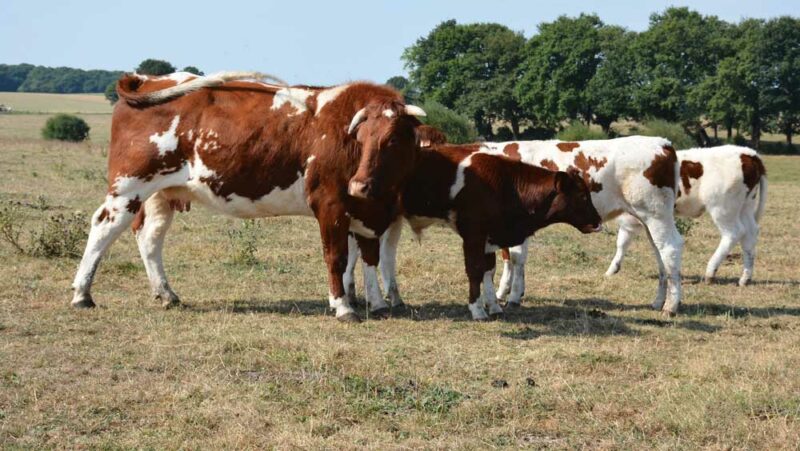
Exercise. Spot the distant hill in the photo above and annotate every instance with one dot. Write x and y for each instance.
(64, 80)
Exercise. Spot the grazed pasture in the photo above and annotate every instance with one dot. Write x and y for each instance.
(256, 360)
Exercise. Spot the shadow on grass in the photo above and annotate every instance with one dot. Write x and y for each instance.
(735, 281)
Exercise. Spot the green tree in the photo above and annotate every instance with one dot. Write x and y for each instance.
(609, 92)
(111, 93)
(13, 75)
(471, 69)
(193, 70)
(782, 48)
(560, 61)
(398, 82)
(674, 56)
(155, 67)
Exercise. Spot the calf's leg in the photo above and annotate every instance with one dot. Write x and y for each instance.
(348, 279)
(669, 243)
(475, 264)
(629, 227)
(388, 263)
(488, 285)
(504, 287)
(731, 230)
(749, 240)
(370, 251)
(150, 228)
(519, 256)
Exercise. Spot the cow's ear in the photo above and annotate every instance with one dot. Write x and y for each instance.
(564, 182)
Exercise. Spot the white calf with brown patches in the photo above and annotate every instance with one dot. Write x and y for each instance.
(634, 175)
(730, 183)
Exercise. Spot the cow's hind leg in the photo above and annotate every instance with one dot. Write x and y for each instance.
(749, 240)
(108, 222)
(665, 237)
(488, 285)
(731, 229)
(629, 227)
(150, 228)
(504, 287)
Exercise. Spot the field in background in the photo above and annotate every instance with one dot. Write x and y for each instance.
(256, 359)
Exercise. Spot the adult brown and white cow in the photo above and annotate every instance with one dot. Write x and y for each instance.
(491, 202)
(251, 149)
(724, 181)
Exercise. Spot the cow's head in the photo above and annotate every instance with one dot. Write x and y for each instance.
(573, 203)
(387, 134)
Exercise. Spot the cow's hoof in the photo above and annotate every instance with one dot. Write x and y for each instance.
(171, 304)
(399, 309)
(744, 282)
(349, 318)
(512, 306)
(499, 316)
(668, 314)
(84, 303)
(481, 319)
(708, 280)
(381, 313)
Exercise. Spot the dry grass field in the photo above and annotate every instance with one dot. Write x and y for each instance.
(255, 359)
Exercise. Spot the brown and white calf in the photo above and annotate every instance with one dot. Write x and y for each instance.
(636, 175)
(724, 181)
(251, 149)
(491, 202)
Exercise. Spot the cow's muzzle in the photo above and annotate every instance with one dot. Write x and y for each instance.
(592, 228)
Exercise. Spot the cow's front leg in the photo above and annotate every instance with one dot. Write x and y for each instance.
(519, 255)
(475, 265)
(349, 278)
(388, 264)
(333, 225)
(488, 285)
(370, 251)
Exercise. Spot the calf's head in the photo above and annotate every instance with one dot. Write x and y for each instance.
(387, 134)
(573, 203)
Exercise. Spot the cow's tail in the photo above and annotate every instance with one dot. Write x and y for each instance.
(762, 196)
(128, 85)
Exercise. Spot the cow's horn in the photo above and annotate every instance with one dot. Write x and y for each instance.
(413, 110)
(360, 116)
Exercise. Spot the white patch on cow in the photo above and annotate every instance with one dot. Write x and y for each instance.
(357, 226)
(341, 306)
(388, 113)
(295, 97)
(168, 140)
(477, 310)
(180, 77)
(329, 95)
(310, 159)
(278, 202)
(323, 137)
(372, 289)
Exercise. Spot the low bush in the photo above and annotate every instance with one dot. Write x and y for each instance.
(66, 127)
(669, 130)
(457, 128)
(578, 131)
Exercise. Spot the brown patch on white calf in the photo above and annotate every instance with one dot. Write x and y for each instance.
(661, 172)
(690, 170)
(103, 216)
(584, 163)
(512, 151)
(567, 147)
(548, 164)
(752, 170)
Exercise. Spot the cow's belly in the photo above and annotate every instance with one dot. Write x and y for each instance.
(290, 201)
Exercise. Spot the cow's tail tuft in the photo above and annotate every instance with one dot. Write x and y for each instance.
(128, 85)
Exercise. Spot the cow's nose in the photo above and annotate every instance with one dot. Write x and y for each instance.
(358, 188)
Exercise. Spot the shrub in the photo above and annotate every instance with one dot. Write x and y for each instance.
(456, 127)
(578, 131)
(670, 130)
(59, 235)
(111, 93)
(66, 127)
(244, 243)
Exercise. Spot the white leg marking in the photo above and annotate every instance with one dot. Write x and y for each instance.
(150, 239)
(388, 262)
(348, 278)
(477, 310)
(519, 256)
(488, 293)
(373, 290)
(341, 306)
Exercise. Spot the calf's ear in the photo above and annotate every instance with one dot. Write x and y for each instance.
(564, 182)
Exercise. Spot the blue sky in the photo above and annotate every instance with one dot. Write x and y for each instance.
(301, 42)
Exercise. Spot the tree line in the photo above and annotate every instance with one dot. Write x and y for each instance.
(695, 70)
(67, 80)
